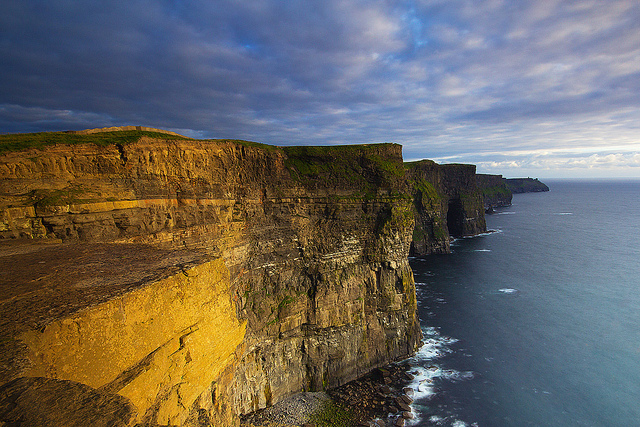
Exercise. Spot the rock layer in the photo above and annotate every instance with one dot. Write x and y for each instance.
(448, 203)
(190, 282)
(495, 192)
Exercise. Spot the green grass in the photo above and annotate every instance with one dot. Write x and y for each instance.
(25, 141)
(249, 144)
(66, 196)
(310, 163)
(393, 168)
(418, 233)
(333, 415)
(524, 185)
(285, 302)
(496, 191)
(439, 233)
(410, 165)
(427, 196)
(361, 165)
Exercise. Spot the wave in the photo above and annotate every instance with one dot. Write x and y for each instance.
(437, 420)
(427, 372)
(486, 233)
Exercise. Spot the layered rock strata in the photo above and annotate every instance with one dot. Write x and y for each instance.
(183, 282)
(448, 203)
(495, 192)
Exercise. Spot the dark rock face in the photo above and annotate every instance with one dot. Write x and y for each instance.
(287, 269)
(526, 185)
(495, 192)
(447, 202)
(312, 243)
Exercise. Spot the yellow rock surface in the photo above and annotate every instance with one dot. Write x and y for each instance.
(181, 280)
(184, 332)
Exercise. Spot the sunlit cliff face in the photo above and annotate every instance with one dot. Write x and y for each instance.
(268, 271)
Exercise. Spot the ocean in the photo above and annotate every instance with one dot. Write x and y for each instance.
(536, 323)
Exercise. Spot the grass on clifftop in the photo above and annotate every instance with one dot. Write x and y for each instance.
(525, 185)
(360, 164)
(495, 191)
(24, 141)
(416, 163)
(426, 196)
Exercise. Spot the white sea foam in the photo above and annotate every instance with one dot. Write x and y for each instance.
(564, 213)
(482, 250)
(427, 372)
(508, 290)
(486, 233)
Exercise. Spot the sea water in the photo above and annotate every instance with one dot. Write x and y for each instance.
(538, 322)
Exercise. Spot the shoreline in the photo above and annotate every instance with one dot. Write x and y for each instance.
(381, 398)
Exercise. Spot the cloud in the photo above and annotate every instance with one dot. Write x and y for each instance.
(17, 118)
(594, 165)
(455, 78)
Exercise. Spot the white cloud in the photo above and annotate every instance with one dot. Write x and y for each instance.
(449, 79)
(595, 165)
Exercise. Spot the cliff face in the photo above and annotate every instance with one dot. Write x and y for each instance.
(526, 185)
(448, 202)
(182, 282)
(495, 192)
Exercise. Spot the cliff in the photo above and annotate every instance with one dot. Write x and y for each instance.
(149, 279)
(447, 203)
(495, 192)
(525, 185)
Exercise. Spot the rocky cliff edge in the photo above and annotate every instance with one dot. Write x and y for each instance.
(448, 202)
(149, 279)
(495, 191)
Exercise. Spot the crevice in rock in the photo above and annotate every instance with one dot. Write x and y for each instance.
(123, 155)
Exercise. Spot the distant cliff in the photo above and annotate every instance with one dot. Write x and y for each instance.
(495, 192)
(526, 185)
(447, 202)
(154, 280)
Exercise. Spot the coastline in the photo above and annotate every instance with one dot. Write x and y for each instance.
(379, 399)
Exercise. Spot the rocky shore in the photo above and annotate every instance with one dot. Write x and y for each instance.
(295, 411)
(197, 282)
(380, 399)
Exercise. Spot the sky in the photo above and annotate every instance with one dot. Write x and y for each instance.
(540, 88)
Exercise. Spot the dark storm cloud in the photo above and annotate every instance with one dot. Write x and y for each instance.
(448, 79)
